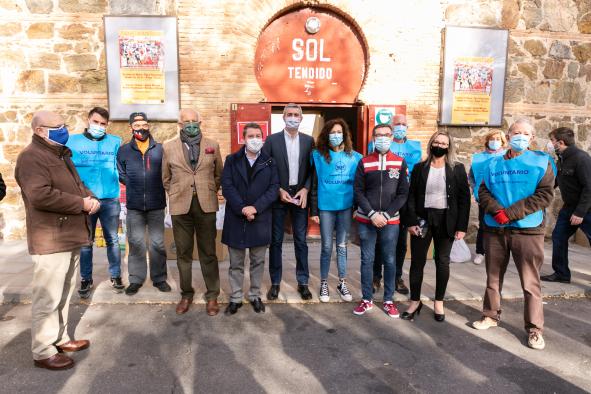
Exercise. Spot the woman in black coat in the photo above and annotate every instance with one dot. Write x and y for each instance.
(438, 209)
(250, 185)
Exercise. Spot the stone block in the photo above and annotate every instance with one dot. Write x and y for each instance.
(530, 70)
(584, 24)
(510, 14)
(136, 7)
(9, 116)
(40, 30)
(535, 47)
(583, 132)
(39, 6)
(75, 31)
(11, 151)
(532, 15)
(45, 60)
(31, 81)
(514, 89)
(553, 69)
(60, 83)
(10, 29)
(538, 92)
(559, 50)
(62, 47)
(81, 62)
(568, 93)
(12, 59)
(586, 72)
(560, 15)
(459, 132)
(573, 70)
(94, 82)
(75, 6)
(582, 52)
(543, 127)
(514, 48)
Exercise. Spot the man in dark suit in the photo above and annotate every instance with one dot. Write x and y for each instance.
(291, 151)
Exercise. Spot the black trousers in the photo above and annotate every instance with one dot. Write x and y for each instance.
(400, 255)
(419, 248)
(480, 233)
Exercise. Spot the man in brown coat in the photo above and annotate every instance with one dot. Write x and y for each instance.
(191, 174)
(57, 205)
(516, 190)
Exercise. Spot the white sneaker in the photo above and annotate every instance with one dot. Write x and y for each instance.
(485, 323)
(344, 291)
(536, 341)
(478, 259)
(324, 296)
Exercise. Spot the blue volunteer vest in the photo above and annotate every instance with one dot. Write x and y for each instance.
(512, 180)
(410, 151)
(96, 162)
(335, 179)
(479, 163)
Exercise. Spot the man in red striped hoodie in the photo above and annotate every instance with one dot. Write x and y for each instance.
(381, 189)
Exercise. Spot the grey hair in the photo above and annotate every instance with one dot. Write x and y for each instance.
(292, 105)
(522, 121)
(450, 157)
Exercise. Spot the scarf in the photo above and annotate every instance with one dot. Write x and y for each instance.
(192, 143)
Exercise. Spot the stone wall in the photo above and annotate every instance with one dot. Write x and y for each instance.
(52, 57)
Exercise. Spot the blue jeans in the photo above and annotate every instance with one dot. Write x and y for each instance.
(137, 223)
(563, 230)
(299, 225)
(387, 237)
(329, 222)
(108, 214)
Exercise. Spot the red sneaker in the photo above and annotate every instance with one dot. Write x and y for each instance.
(363, 307)
(391, 310)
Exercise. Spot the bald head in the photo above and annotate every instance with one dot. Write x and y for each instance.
(45, 119)
(399, 120)
(188, 115)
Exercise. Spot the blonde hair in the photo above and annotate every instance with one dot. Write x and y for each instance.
(493, 133)
(450, 157)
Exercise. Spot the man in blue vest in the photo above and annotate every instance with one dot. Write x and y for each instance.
(410, 151)
(516, 189)
(94, 153)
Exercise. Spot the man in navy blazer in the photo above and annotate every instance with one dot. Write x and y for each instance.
(291, 151)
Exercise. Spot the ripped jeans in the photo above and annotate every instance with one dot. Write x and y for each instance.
(340, 222)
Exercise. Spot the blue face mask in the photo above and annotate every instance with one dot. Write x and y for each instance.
(399, 132)
(96, 131)
(382, 144)
(335, 139)
(519, 142)
(59, 135)
(292, 123)
(494, 145)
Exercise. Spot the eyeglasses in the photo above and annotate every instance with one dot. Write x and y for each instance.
(440, 144)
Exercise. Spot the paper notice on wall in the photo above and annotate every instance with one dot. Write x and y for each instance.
(141, 57)
(472, 86)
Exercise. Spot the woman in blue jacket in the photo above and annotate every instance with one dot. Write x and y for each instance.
(331, 205)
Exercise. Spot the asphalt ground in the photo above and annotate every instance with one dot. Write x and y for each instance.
(299, 348)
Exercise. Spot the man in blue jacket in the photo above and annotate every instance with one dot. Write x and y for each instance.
(94, 153)
(250, 185)
(140, 169)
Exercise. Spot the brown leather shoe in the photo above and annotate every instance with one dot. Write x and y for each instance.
(56, 362)
(183, 306)
(212, 307)
(73, 346)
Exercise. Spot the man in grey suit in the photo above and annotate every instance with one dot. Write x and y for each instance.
(291, 151)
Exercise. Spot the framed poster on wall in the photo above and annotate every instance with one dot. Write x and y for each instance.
(474, 68)
(142, 66)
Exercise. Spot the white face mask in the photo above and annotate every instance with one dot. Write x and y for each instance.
(254, 145)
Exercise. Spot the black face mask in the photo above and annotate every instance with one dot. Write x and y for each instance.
(438, 151)
(141, 134)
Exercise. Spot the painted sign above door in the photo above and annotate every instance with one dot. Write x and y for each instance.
(310, 56)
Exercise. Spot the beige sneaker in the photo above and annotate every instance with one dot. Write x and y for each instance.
(485, 323)
(478, 259)
(536, 341)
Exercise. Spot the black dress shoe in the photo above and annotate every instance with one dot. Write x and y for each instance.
(273, 292)
(304, 292)
(411, 315)
(233, 308)
(163, 286)
(258, 305)
(554, 278)
(439, 317)
(401, 287)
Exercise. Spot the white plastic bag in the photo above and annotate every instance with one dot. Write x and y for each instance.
(460, 252)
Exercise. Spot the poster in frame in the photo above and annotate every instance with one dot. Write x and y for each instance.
(142, 66)
(474, 71)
